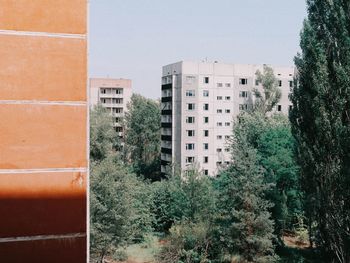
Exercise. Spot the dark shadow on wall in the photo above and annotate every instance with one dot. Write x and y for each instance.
(33, 217)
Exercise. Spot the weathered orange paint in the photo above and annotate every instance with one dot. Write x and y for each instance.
(42, 136)
(42, 68)
(43, 127)
(42, 185)
(58, 16)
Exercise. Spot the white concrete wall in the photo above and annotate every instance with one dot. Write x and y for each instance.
(227, 76)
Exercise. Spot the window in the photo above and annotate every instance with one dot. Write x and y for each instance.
(206, 133)
(219, 111)
(118, 110)
(119, 91)
(227, 149)
(206, 80)
(291, 83)
(205, 93)
(219, 137)
(189, 146)
(227, 111)
(190, 106)
(118, 119)
(190, 133)
(227, 98)
(227, 137)
(190, 79)
(219, 97)
(103, 91)
(103, 100)
(243, 106)
(189, 119)
(205, 159)
(205, 146)
(227, 85)
(219, 124)
(279, 107)
(206, 119)
(219, 85)
(118, 101)
(218, 163)
(219, 150)
(206, 172)
(243, 94)
(206, 106)
(227, 123)
(190, 93)
(243, 81)
(190, 159)
(280, 83)
(257, 82)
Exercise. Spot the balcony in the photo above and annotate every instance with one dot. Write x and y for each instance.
(165, 163)
(167, 112)
(166, 86)
(114, 114)
(112, 105)
(111, 95)
(167, 99)
(166, 138)
(166, 125)
(166, 150)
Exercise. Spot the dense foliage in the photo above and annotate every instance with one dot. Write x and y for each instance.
(142, 136)
(321, 124)
(239, 216)
(265, 101)
(119, 200)
(246, 224)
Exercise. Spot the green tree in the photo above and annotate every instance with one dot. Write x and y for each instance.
(189, 211)
(271, 93)
(247, 226)
(188, 242)
(321, 123)
(119, 200)
(142, 143)
(271, 137)
(103, 137)
(186, 195)
(109, 207)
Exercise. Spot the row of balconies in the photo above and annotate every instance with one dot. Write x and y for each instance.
(111, 95)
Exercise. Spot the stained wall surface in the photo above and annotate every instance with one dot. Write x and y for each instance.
(43, 130)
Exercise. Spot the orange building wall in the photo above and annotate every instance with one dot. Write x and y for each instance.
(43, 130)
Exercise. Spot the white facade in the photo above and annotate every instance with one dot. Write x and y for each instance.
(199, 103)
(114, 95)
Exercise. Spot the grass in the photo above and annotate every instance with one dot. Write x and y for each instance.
(145, 251)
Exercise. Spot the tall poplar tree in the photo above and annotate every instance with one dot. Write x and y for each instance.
(321, 123)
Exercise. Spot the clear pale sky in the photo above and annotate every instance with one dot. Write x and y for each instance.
(135, 38)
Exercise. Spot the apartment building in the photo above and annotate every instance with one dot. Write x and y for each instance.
(114, 95)
(199, 104)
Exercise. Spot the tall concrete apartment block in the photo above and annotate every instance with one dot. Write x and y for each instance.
(112, 94)
(43, 131)
(199, 103)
